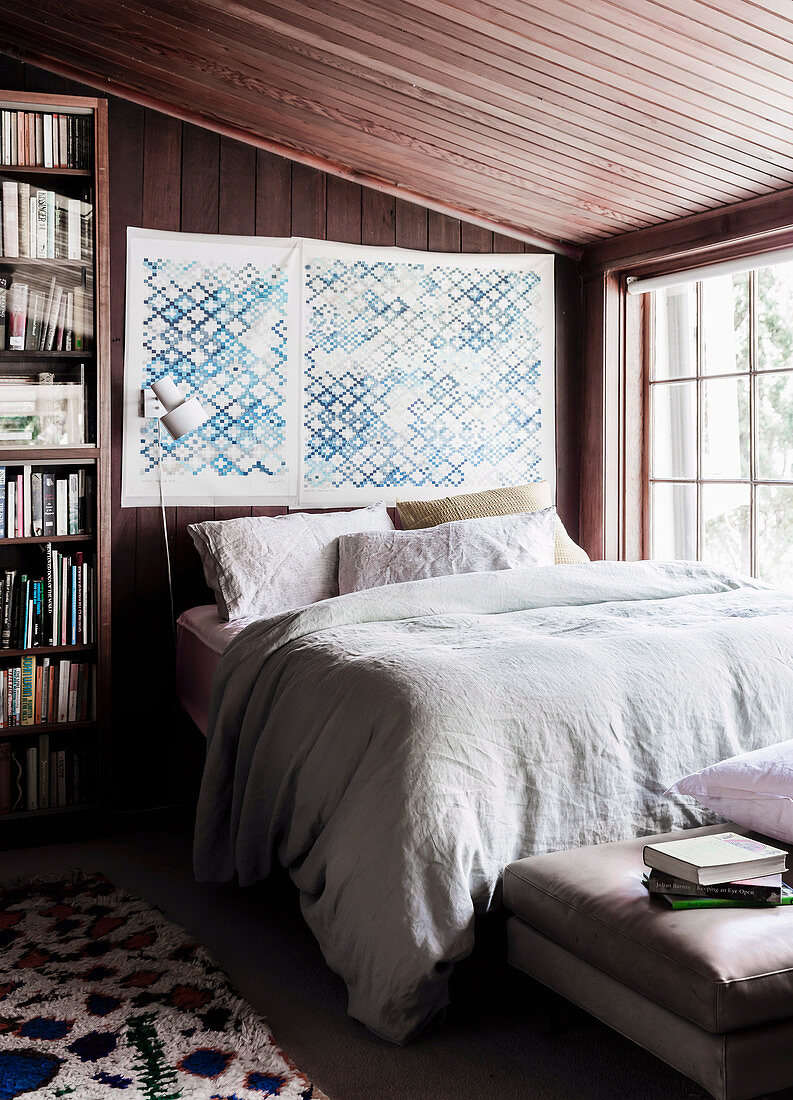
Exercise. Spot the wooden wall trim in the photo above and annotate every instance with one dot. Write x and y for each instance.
(323, 164)
(740, 229)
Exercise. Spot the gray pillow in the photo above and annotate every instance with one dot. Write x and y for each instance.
(375, 558)
(262, 565)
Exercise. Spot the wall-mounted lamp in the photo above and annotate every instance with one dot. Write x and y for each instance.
(182, 414)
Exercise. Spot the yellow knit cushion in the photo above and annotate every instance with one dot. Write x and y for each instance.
(491, 502)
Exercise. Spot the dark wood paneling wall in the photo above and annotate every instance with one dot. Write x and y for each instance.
(172, 175)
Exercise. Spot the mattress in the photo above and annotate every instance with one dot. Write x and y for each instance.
(201, 637)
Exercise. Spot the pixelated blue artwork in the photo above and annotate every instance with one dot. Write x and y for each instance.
(417, 375)
(220, 330)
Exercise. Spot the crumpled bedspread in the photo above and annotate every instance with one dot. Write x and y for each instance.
(396, 747)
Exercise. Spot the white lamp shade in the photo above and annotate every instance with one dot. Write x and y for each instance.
(184, 418)
(167, 393)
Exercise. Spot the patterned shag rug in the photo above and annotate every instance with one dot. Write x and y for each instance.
(101, 996)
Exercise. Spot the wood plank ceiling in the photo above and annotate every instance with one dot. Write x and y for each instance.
(564, 120)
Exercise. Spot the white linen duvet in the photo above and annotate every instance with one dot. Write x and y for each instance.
(396, 747)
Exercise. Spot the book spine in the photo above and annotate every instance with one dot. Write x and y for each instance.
(74, 504)
(36, 503)
(61, 783)
(41, 223)
(63, 691)
(23, 216)
(32, 778)
(10, 219)
(664, 884)
(48, 503)
(2, 502)
(27, 500)
(3, 310)
(18, 315)
(44, 771)
(28, 690)
(50, 225)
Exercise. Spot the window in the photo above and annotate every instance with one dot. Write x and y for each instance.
(721, 423)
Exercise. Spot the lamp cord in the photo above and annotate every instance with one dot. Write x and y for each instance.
(165, 527)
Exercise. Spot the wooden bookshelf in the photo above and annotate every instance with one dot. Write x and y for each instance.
(90, 275)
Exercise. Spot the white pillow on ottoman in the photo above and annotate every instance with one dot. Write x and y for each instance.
(755, 790)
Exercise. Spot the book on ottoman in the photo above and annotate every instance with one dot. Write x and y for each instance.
(718, 857)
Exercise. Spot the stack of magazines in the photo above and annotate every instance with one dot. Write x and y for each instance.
(717, 871)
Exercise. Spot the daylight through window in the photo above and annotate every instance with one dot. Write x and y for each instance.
(721, 423)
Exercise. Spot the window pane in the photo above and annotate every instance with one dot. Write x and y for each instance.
(725, 428)
(725, 324)
(774, 416)
(775, 317)
(675, 351)
(775, 534)
(674, 412)
(726, 526)
(673, 523)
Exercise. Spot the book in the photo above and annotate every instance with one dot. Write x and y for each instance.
(23, 218)
(28, 690)
(17, 315)
(61, 780)
(767, 889)
(3, 300)
(44, 771)
(10, 199)
(32, 755)
(48, 502)
(36, 504)
(714, 858)
(674, 901)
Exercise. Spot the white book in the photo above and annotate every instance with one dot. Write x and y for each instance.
(41, 223)
(61, 506)
(73, 228)
(32, 226)
(715, 857)
(52, 323)
(6, 116)
(48, 141)
(50, 225)
(10, 218)
(27, 500)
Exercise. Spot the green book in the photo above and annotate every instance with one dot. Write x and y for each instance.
(680, 902)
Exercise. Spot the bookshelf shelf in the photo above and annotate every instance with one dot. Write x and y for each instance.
(38, 170)
(45, 650)
(41, 261)
(69, 206)
(21, 356)
(54, 811)
(50, 727)
(38, 455)
(42, 540)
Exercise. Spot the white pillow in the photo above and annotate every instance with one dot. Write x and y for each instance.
(462, 546)
(755, 790)
(262, 565)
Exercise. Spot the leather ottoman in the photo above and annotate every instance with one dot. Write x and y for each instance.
(710, 991)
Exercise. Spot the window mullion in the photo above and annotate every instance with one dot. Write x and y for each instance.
(699, 416)
(753, 328)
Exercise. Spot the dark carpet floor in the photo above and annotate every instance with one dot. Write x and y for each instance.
(495, 1041)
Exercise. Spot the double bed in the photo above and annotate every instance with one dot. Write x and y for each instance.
(396, 747)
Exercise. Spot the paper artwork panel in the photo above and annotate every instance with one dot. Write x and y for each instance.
(218, 316)
(423, 373)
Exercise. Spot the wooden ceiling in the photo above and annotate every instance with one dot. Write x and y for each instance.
(564, 120)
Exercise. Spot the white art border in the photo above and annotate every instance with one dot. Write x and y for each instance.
(540, 263)
(206, 489)
(247, 490)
